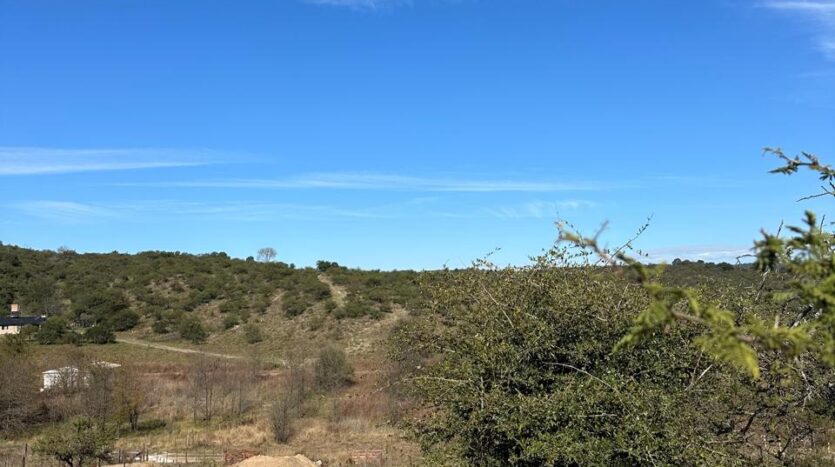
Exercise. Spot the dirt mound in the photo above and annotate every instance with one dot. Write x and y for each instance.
(267, 461)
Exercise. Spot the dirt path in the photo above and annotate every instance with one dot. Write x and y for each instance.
(370, 337)
(169, 348)
(338, 292)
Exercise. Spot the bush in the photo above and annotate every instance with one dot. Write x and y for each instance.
(332, 370)
(357, 308)
(101, 304)
(99, 334)
(232, 305)
(192, 330)
(522, 372)
(295, 304)
(252, 334)
(160, 326)
(154, 424)
(55, 330)
(77, 442)
(281, 416)
(230, 321)
(123, 320)
(324, 266)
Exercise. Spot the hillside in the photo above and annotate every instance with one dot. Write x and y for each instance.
(223, 358)
(267, 320)
(163, 292)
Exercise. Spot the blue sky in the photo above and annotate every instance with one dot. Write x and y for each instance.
(398, 134)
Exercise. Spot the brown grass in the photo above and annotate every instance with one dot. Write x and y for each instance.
(331, 426)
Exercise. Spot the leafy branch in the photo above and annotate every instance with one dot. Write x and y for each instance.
(806, 257)
(806, 161)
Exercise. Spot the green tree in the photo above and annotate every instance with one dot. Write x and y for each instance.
(99, 334)
(55, 330)
(77, 442)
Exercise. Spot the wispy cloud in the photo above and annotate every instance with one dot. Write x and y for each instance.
(43, 161)
(72, 212)
(358, 181)
(358, 4)
(708, 253)
(821, 13)
(64, 211)
(540, 209)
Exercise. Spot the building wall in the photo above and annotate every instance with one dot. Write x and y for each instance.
(65, 379)
(9, 330)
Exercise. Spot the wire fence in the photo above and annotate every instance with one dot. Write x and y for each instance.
(25, 457)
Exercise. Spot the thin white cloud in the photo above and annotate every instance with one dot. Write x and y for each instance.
(540, 209)
(64, 211)
(356, 181)
(72, 212)
(821, 14)
(358, 4)
(809, 6)
(44, 161)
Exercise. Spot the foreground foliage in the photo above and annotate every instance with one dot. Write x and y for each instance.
(572, 361)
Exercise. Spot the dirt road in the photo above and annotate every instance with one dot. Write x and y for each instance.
(169, 348)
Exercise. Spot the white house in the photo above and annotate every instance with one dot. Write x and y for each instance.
(63, 378)
(13, 323)
(67, 378)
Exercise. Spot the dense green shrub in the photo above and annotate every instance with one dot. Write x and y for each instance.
(122, 320)
(295, 304)
(325, 266)
(588, 357)
(525, 374)
(55, 330)
(100, 304)
(252, 334)
(99, 334)
(357, 308)
(192, 330)
(160, 326)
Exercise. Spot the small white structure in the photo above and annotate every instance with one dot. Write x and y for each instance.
(13, 323)
(61, 378)
(68, 378)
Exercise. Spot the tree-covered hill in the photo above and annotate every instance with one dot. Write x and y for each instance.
(103, 293)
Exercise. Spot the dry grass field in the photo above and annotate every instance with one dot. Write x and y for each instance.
(331, 426)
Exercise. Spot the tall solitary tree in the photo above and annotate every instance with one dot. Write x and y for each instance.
(266, 254)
